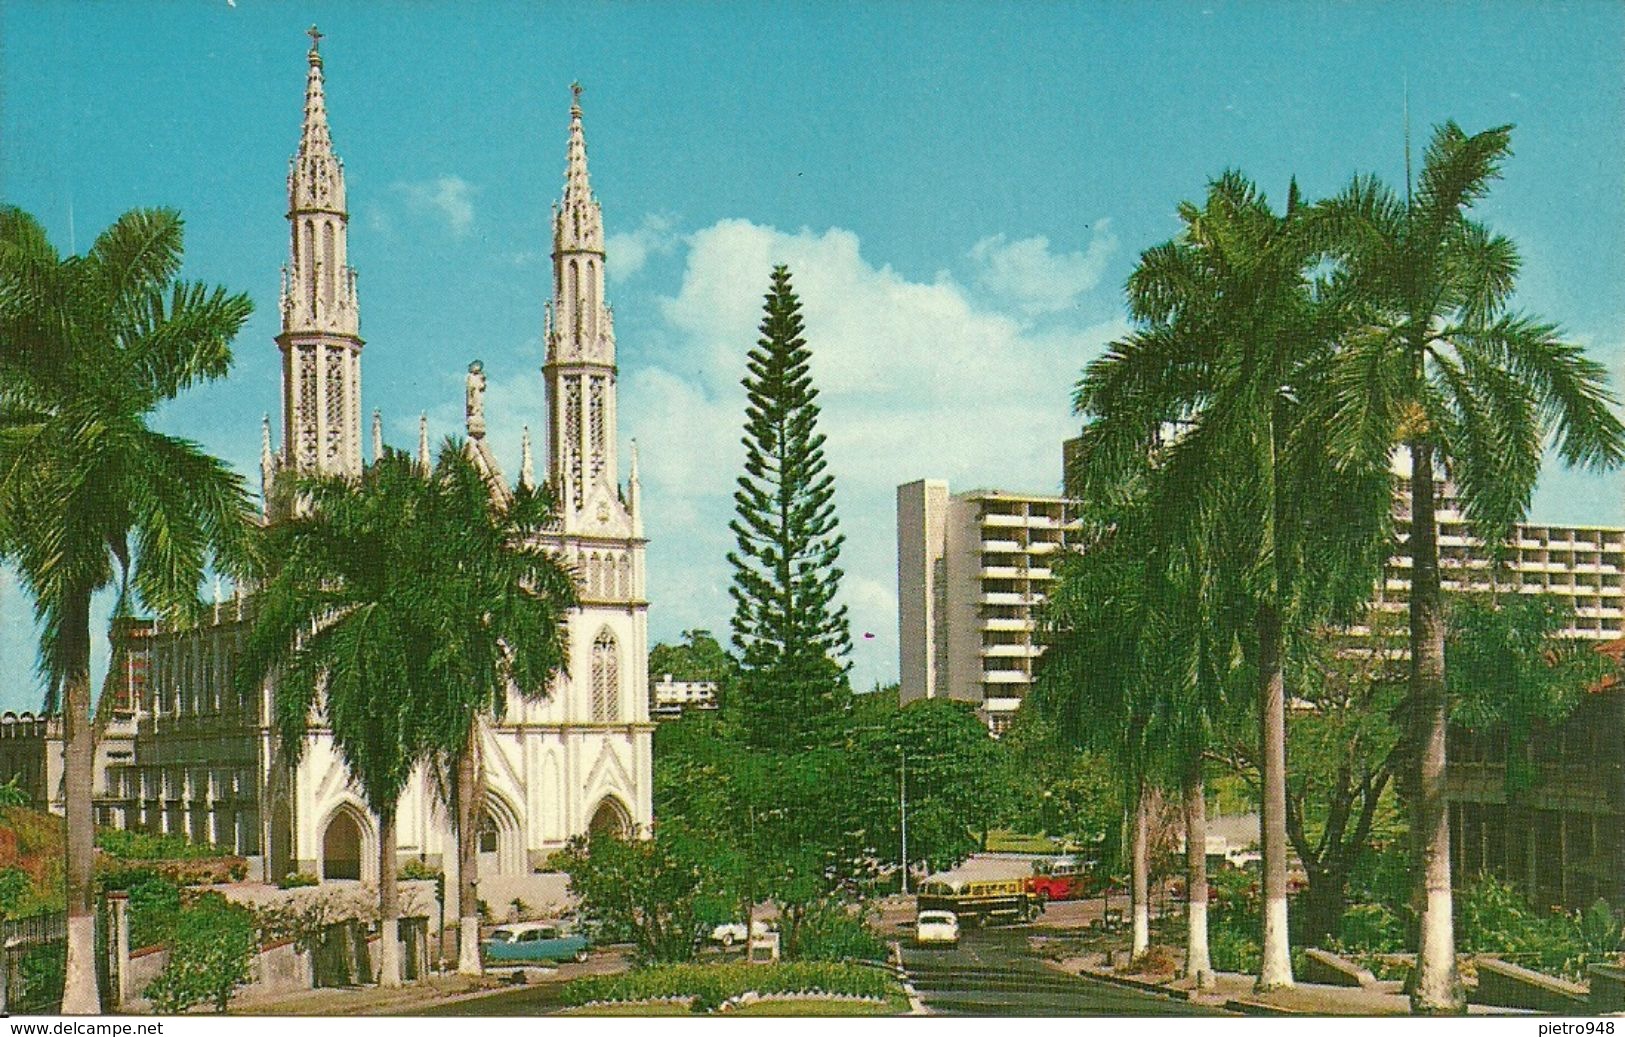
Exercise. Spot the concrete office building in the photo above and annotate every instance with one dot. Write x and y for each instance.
(970, 569)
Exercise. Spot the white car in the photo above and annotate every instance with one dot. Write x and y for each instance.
(730, 933)
(937, 927)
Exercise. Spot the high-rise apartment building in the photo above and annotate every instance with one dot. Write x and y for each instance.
(970, 569)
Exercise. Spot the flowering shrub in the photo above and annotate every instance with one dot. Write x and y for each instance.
(710, 985)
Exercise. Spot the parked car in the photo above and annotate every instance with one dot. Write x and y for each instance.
(936, 927)
(532, 943)
(730, 933)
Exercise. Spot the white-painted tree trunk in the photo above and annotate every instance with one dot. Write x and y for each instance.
(469, 797)
(1140, 877)
(1198, 962)
(389, 906)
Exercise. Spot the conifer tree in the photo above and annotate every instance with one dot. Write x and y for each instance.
(791, 635)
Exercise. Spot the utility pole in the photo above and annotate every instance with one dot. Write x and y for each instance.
(902, 799)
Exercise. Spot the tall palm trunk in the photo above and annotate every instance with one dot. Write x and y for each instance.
(1198, 964)
(81, 994)
(389, 904)
(1275, 963)
(1275, 959)
(1438, 987)
(1140, 873)
(468, 861)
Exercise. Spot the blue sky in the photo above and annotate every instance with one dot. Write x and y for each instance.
(960, 191)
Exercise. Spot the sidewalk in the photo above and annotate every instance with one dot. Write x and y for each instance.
(1234, 991)
(435, 990)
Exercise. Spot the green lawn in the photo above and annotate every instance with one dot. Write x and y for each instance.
(770, 1007)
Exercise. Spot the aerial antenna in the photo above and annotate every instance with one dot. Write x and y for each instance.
(1406, 81)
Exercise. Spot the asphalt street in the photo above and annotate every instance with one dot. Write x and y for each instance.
(993, 973)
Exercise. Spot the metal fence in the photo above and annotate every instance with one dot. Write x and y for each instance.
(33, 960)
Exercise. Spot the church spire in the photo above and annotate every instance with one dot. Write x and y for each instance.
(580, 224)
(580, 336)
(320, 339)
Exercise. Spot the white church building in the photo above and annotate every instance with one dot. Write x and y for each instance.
(206, 763)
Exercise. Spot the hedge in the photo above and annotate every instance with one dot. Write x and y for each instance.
(711, 985)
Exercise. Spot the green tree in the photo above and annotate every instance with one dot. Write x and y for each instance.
(1345, 752)
(637, 889)
(790, 632)
(90, 495)
(699, 657)
(951, 767)
(1440, 364)
(347, 621)
(1509, 667)
(500, 602)
(1221, 384)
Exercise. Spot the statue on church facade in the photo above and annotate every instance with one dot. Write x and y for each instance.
(474, 407)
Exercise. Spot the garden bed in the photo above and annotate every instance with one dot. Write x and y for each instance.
(710, 988)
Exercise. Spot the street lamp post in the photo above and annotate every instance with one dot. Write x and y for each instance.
(902, 800)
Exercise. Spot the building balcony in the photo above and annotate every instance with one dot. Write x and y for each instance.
(1015, 651)
(1001, 546)
(1003, 598)
(1006, 625)
(1006, 677)
(1004, 521)
(1001, 572)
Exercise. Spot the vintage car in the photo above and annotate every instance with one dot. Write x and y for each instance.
(532, 943)
(730, 933)
(940, 927)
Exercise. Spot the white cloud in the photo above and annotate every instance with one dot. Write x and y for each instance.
(916, 380)
(628, 251)
(449, 198)
(1034, 278)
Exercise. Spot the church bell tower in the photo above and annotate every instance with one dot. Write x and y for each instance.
(580, 338)
(320, 339)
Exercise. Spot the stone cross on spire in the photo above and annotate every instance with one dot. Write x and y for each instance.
(575, 97)
(315, 35)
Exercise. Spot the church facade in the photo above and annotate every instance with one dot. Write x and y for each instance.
(206, 762)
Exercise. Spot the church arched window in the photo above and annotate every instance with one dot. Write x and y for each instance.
(606, 678)
(626, 576)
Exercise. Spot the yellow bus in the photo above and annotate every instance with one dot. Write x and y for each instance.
(979, 902)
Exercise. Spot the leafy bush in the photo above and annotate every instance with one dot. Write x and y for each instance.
(415, 869)
(1233, 949)
(13, 794)
(211, 950)
(1370, 928)
(127, 845)
(642, 888)
(155, 903)
(1494, 918)
(15, 890)
(711, 985)
(829, 931)
(298, 879)
(42, 970)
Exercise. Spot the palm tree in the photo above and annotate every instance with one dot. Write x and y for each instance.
(1439, 364)
(346, 621)
(501, 636)
(1092, 682)
(1226, 366)
(90, 495)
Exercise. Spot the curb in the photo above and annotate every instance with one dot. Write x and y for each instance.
(1145, 986)
(915, 1005)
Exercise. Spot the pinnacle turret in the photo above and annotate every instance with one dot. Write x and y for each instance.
(580, 222)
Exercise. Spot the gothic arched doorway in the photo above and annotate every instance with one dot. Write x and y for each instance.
(611, 818)
(341, 847)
